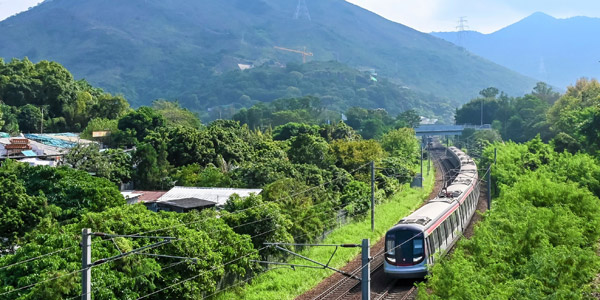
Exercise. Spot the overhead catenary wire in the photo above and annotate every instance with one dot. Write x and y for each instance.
(171, 227)
(101, 262)
(37, 257)
(197, 275)
(271, 269)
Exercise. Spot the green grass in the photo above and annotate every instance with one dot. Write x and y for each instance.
(286, 283)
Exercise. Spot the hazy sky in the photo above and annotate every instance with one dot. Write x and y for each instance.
(11, 7)
(482, 15)
(434, 15)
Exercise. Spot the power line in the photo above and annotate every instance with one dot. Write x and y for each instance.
(37, 257)
(100, 262)
(198, 275)
(110, 236)
(193, 277)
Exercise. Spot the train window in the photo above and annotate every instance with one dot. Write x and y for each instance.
(443, 235)
(436, 239)
(418, 251)
(390, 246)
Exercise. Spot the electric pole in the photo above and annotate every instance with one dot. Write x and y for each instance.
(366, 271)
(86, 262)
(372, 196)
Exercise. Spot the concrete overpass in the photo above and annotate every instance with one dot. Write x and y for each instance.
(447, 130)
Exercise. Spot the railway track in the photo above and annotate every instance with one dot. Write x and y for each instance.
(383, 287)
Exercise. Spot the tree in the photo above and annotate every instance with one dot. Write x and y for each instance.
(545, 93)
(309, 149)
(289, 130)
(11, 123)
(151, 167)
(339, 131)
(254, 217)
(19, 212)
(175, 115)
(112, 164)
(140, 122)
(1, 117)
(30, 118)
(490, 92)
(98, 124)
(409, 118)
(193, 175)
(110, 107)
(401, 143)
(220, 252)
(187, 145)
(350, 155)
(74, 192)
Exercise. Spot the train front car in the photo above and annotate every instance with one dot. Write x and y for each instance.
(405, 254)
(430, 231)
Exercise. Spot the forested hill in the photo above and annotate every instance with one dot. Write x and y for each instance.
(338, 86)
(540, 46)
(148, 49)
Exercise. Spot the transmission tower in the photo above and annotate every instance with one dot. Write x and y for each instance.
(461, 31)
(302, 11)
(542, 69)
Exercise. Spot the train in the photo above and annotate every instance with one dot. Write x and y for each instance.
(411, 245)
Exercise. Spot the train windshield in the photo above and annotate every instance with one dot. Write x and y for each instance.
(404, 248)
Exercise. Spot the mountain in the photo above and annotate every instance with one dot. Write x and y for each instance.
(558, 51)
(148, 49)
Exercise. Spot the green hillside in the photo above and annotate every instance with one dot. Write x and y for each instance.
(148, 49)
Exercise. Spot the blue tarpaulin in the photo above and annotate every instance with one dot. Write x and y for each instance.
(28, 153)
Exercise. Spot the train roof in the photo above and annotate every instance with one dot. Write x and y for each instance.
(436, 208)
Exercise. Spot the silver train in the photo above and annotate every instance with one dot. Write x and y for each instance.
(411, 245)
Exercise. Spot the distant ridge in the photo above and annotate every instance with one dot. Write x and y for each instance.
(148, 49)
(558, 51)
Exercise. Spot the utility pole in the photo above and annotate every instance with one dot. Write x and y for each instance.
(366, 271)
(86, 256)
(421, 166)
(428, 160)
(86, 262)
(42, 122)
(489, 187)
(482, 112)
(372, 196)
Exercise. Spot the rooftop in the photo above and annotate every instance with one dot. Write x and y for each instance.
(219, 196)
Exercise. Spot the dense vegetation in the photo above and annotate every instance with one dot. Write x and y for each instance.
(569, 120)
(162, 49)
(43, 209)
(540, 239)
(44, 96)
(337, 86)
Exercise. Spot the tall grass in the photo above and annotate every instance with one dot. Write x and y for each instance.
(285, 283)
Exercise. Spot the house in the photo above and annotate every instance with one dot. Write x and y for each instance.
(146, 197)
(184, 199)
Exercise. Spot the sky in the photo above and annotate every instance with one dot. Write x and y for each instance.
(434, 15)
(482, 15)
(11, 7)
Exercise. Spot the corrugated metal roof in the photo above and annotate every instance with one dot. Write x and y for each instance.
(28, 153)
(216, 195)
